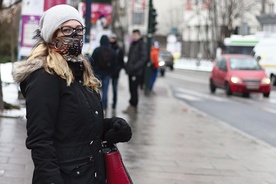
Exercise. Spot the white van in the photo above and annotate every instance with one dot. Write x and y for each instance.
(266, 50)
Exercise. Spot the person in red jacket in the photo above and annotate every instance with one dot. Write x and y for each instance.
(154, 57)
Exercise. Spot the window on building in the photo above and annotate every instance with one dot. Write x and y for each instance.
(138, 18)
(271, 8)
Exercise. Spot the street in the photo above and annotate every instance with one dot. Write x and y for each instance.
(254, 115)
(172, 142)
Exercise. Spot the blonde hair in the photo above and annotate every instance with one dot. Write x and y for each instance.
(53, 61)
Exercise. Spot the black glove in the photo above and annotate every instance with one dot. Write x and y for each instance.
(118, 130)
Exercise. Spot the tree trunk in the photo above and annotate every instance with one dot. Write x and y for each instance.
(1, 93)
(214, 28)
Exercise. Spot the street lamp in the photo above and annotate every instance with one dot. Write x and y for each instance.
(152, 23)
(88, 20)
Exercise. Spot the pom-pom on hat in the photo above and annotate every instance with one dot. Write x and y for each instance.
(54, 17)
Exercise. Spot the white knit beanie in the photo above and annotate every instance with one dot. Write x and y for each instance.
(54, 17)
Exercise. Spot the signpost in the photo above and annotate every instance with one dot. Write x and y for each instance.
(88, 21)
(151, 30)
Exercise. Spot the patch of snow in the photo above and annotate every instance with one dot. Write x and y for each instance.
(10, 92)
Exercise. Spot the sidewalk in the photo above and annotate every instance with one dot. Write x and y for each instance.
(175, 144)
(172, 143)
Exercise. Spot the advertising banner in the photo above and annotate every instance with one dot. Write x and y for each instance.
(32, 10)
(101, 20)
(98, 11)
(50, 3)
(29, 25)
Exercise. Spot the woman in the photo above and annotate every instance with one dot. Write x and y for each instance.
(65, 125)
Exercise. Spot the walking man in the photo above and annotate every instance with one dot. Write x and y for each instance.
(103, 65)
(137, 58)
(119, 65)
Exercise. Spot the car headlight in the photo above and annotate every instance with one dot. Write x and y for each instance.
(265, 80)
(236, 80)
(161, 63)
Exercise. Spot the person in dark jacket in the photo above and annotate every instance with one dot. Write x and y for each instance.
(65, 124)
(119, 65)
(137, 58)
(104, 63)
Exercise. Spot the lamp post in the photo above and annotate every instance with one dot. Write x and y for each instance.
(151, 29)
(88, 20)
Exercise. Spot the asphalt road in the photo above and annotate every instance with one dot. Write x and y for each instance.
(254, 115)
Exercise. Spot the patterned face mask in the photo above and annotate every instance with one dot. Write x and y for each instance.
(67, 46)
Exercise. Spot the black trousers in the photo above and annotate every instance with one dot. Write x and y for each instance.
(134, 82)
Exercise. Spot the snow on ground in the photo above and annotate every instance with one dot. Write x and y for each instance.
(191, 64)
(10, 92)
(10, 88)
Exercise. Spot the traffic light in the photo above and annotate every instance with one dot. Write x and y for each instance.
(153, 23)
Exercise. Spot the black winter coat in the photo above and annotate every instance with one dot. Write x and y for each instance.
(97, 57)
(119, 59)
(64, 128)
(137, 58)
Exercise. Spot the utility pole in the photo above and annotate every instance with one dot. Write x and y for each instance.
(151, 29)
(88, 20)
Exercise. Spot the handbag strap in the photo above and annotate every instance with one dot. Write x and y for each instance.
(108, 148)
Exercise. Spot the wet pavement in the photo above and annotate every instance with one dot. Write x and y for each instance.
(172, 143)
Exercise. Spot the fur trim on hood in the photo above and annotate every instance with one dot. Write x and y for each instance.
(23, 69)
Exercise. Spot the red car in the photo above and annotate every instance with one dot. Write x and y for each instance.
(237, 73)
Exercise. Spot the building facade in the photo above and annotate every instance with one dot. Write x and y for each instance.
(267, 18)
(201, 25)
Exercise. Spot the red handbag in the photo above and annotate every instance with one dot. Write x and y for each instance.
(116, 173)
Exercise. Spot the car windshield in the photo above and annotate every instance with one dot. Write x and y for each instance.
(244, 64)
(164, 54)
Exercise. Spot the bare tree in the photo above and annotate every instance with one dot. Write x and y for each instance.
(224, 13)
(7, 12)
(8, 6)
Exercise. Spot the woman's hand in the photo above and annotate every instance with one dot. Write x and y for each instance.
(119, 130)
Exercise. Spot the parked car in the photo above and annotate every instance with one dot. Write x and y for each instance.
(237, 73)
(166, 59)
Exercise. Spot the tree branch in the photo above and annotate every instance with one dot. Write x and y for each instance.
(10, 6)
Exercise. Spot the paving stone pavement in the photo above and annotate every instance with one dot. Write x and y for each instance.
(172, 143)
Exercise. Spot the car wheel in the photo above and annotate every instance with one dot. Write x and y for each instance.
(212, 86)
(266, 95)
(245, 94)
(273, 80)
(228, 89)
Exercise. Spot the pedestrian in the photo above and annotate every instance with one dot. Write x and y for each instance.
(65, 124)
(103, 63)
(154, 57)
(258, 59)
(120, 64)
(137, 58)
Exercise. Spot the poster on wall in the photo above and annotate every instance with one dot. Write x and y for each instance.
(31, 12)
(50, 3)
(101, 14)
(29, 24)
(98, 11)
